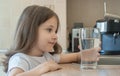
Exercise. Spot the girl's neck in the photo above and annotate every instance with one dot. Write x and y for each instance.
(34, 52)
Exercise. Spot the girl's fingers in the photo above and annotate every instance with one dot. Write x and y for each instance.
(98, 58)
(97, 49)
(98, 54)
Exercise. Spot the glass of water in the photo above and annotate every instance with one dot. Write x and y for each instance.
(88, 38)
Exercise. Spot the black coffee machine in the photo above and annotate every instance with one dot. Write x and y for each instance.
(74, 37)
(110, 36)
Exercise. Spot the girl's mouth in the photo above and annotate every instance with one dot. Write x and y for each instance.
(52, 43)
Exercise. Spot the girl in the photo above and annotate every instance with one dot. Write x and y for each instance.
(35, 50)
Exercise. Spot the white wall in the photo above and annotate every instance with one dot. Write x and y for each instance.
(4, 24)
(60, 9)
(11, 10)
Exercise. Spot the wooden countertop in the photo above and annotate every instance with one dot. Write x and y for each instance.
(73, 69)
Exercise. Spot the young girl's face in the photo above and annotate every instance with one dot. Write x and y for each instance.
(47, 36)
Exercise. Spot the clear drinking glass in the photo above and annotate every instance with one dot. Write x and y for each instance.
(88, 38)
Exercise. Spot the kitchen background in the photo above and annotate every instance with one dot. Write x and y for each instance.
(69, 12)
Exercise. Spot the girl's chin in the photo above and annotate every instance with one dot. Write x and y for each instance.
(49, 50)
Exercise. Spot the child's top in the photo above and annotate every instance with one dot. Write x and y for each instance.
(26, 62)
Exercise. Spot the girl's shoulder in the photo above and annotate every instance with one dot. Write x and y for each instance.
(19, 60)
(19, 56)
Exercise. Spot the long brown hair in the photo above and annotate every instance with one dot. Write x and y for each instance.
(27, 28)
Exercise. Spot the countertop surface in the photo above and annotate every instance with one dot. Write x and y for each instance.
(109, 60)
(73, 69)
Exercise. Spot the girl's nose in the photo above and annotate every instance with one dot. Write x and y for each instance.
(55, 36)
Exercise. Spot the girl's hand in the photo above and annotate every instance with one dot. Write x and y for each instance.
(91, 54)
(51, 65)
(46, 67)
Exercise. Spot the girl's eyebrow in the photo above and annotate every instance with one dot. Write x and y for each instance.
(51, 26)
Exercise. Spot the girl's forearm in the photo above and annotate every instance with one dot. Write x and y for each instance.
(71, 57)
(28, 73)
(34, 72)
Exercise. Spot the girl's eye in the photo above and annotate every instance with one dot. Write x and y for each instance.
(49, 29)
